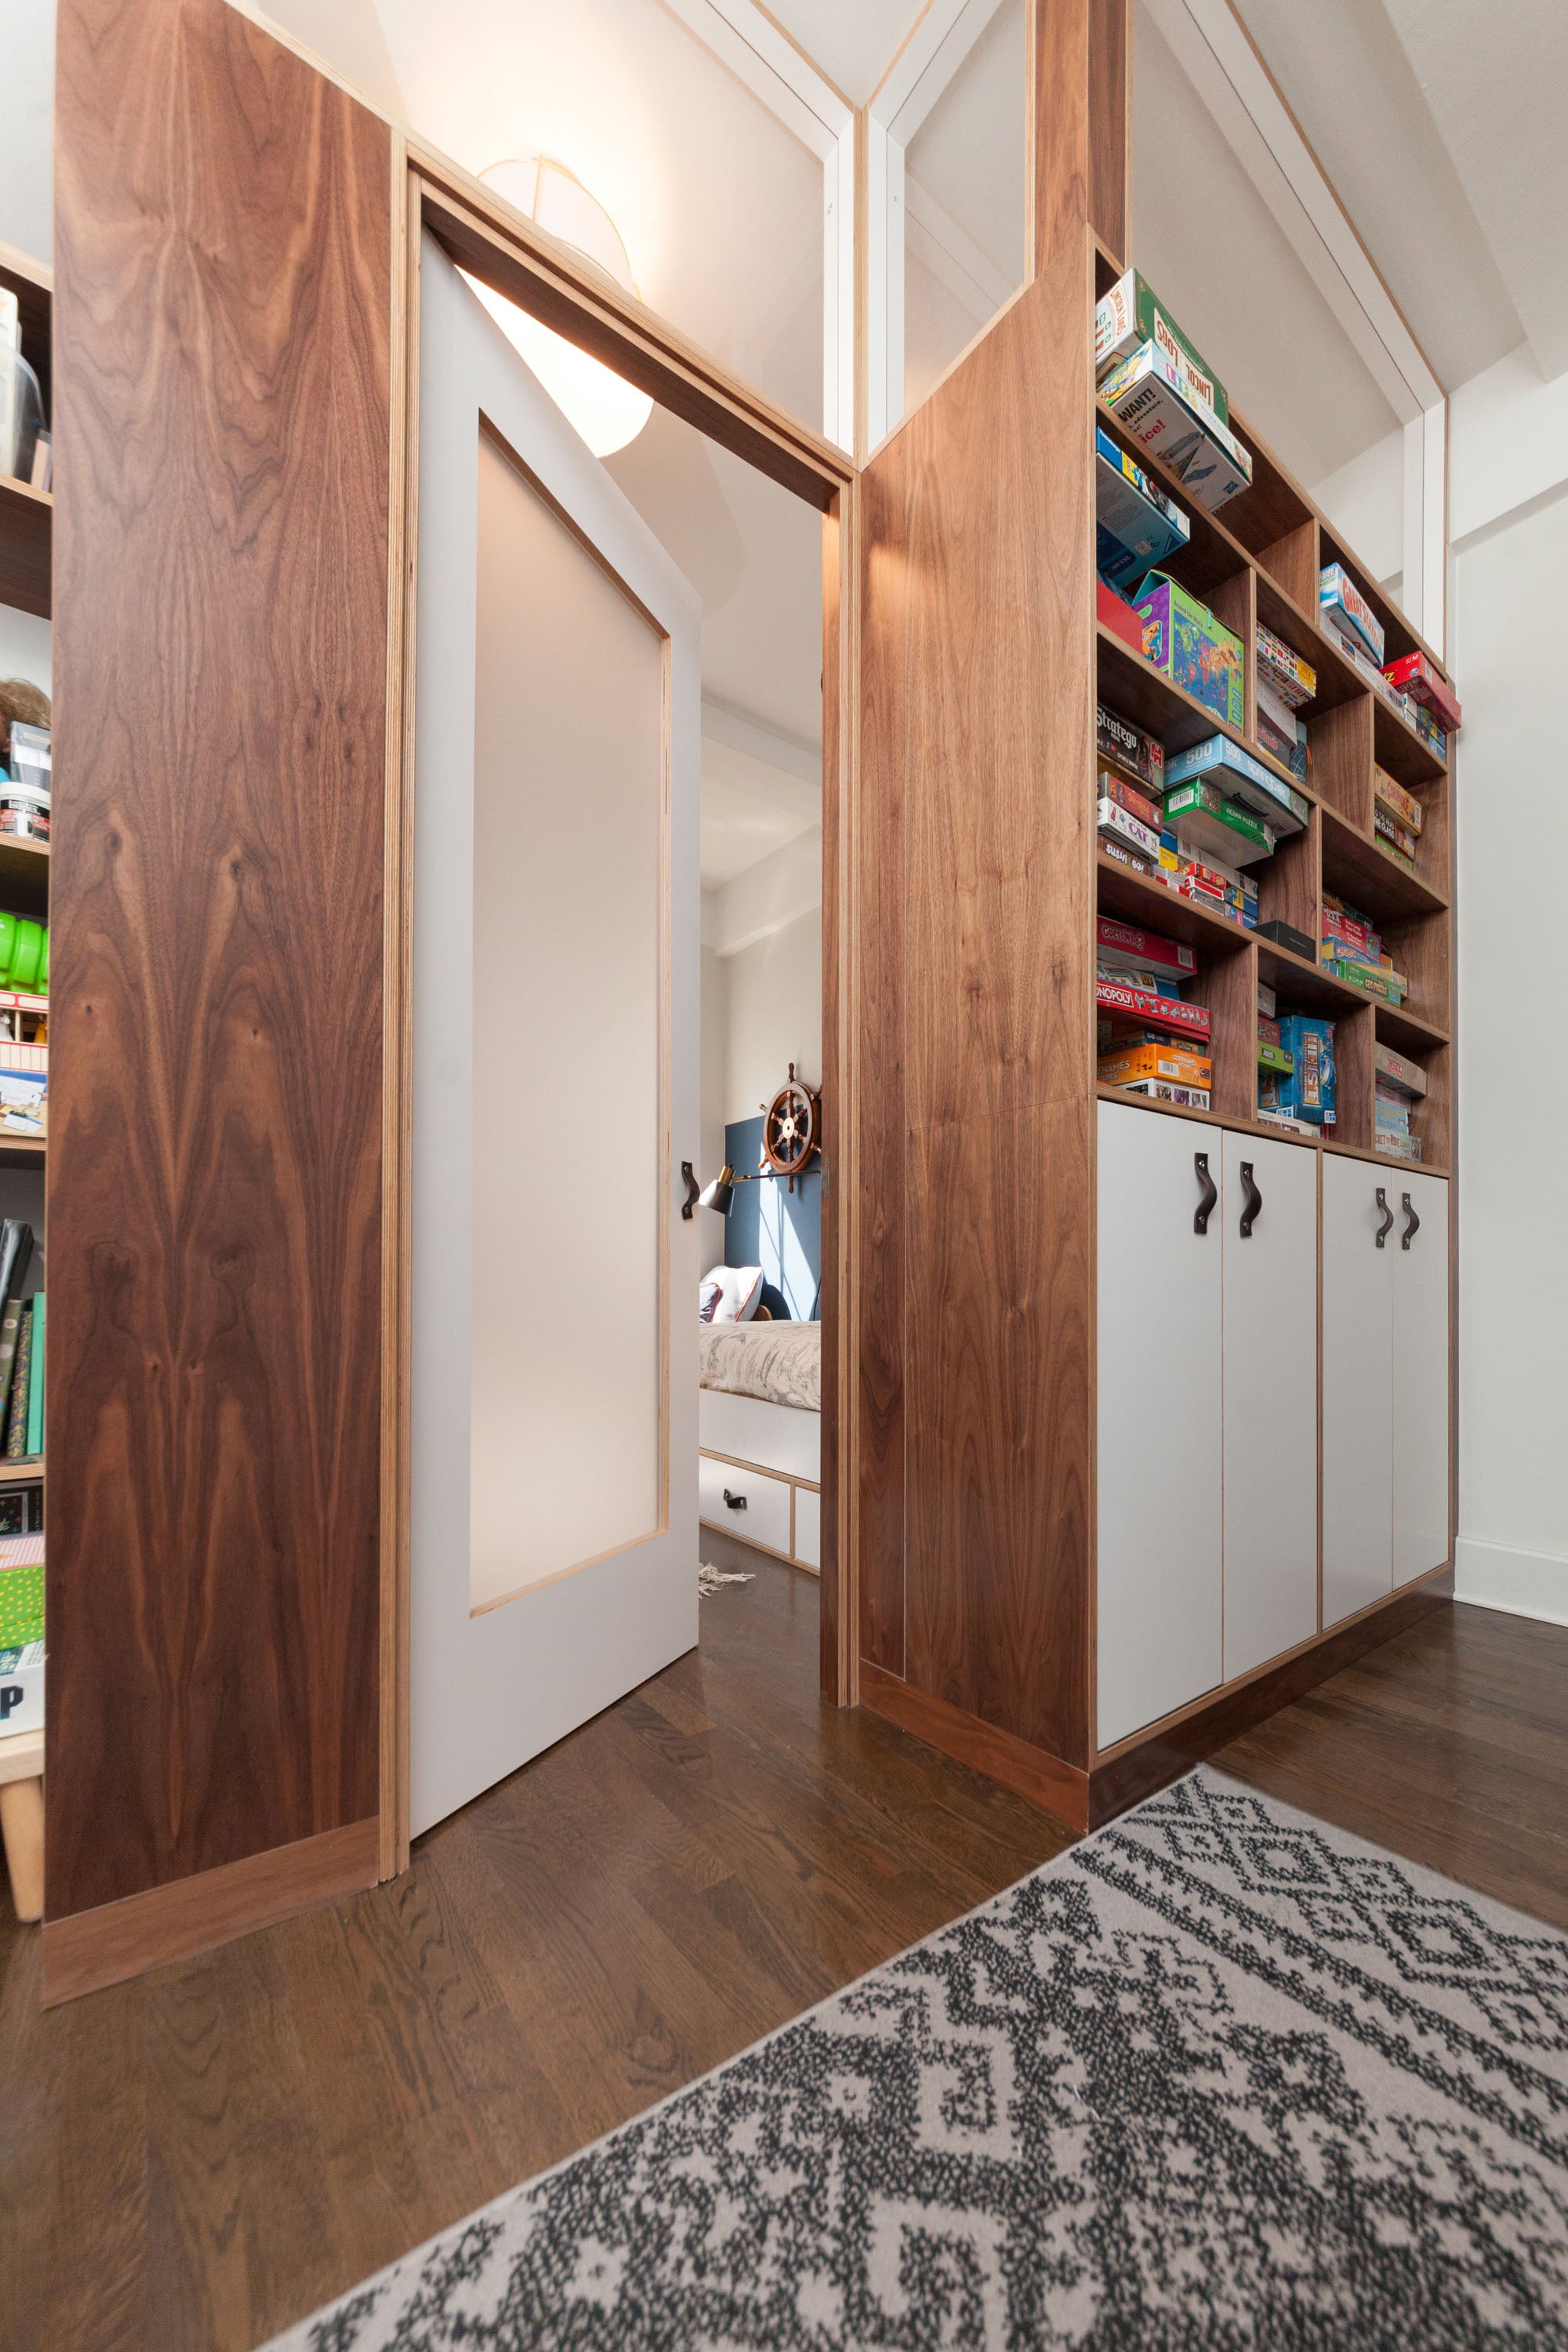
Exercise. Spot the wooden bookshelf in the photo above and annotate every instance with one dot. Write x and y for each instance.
(1257, 560)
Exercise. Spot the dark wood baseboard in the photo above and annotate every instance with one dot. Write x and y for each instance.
(1126, 1780)
(1058, 1789)
(89, 1949)
(1086, 1800)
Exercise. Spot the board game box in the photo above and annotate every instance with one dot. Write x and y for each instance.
(1145, 393)
(1295, 681)
(1123, 825)
(1137, 525)
(1132, 313)
(1204, 817)
(1240, 777)
(1131, 797)
(1416, 676)
(1128, 944)
(1309, 1092)
(1142, 756)
(1344, 603)
(1166, 1013)
(1397, 800)
(1398, 1070)
(1183, 640)
(1121, 1064)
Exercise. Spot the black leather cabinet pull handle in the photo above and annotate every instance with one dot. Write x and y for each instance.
(1413, 1225)
(1254, 1207)
(1387, 1225)
(1211, 1193)
(693, 1190)
(736, 1502)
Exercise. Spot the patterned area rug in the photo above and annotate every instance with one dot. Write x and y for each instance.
(1218, 2076)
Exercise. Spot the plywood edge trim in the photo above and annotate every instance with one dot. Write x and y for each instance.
(1163, 1754)
(89, 1949)
(1058, 1789)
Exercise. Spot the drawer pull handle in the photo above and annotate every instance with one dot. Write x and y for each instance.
(1211, 1193)
(1414, 1225)
(1387, 1225)
(693, 1190)
(736, 1502)
(1254, 1207)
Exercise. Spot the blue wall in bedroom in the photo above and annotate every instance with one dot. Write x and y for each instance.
(769, 1227)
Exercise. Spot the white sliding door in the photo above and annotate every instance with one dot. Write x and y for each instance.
(554, 1521)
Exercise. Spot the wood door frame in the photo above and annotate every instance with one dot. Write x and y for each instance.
(503, 247)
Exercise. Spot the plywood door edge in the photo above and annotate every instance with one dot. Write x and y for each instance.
(89, 1949)
(397, 1236)
(843, 984)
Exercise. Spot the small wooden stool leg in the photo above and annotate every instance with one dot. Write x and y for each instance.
(22, 1825)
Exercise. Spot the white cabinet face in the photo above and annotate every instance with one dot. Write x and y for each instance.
(1418, 1253)
(1358, 1388)
(1159, 1630)
(1270, 1347)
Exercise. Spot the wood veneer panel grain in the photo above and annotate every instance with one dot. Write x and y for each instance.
(979, 616)
(172, 1922)
(222, 325)
(840, 597)
(1058, 1789)
(1110, 123)
(1060, 116)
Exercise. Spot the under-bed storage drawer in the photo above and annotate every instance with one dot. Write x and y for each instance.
(808, 1526)
(784, 1437)
(748, 1503)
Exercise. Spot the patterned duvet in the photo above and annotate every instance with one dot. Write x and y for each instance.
(780, 1361)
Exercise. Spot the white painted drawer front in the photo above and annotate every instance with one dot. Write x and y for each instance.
(766, 1518)
(1420, 1371)
(1159, 1405)
(808, 1526)
(753, 1429)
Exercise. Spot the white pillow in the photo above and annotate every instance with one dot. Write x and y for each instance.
(740, 1291)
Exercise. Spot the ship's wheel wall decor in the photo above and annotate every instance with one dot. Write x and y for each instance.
(792, 1129)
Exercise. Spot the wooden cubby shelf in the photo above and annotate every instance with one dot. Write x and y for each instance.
(1257, 560)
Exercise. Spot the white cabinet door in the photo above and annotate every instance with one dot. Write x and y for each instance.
(1270, 1333)
(1160, 1575)
(1418, 1253)
(1358, 1388)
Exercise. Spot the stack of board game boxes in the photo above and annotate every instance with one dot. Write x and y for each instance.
(1285, 684)
(1411, 686)
(1151, 1039)
(1163, 393)
(1195, 821)
(1353, 949)
(1397, 817)
(1399, 1084)
(1295, 1067)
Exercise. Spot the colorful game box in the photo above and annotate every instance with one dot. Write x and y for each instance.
(1416, 676)
(1173, 1013)
(1145, 393)
(1134, 949)
(1240, 777)
(1195, 651)
(1125, 1064)
(1344, 603)
(1309, 1092)
(1131, 797)
(1142, 756)
(1136, 524)
(1295, 681)
(1108, 817)
(1204, 817)
(1132, 313)
(1398, 801)
(1115, 613)
(1393, 1070)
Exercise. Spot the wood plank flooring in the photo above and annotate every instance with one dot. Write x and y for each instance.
(197, 2159)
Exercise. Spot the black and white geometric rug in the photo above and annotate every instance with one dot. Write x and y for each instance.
(1218, 2076)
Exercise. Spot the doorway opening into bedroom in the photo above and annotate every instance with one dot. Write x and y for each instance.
(639, 874)
(752, 553)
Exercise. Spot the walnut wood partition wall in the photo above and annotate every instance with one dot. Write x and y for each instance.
(975, 1445)
(223, 373)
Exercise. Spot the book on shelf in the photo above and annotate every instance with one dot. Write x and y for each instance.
(34, 1441)
(21, 1375)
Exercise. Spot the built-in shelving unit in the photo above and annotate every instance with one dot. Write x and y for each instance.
(1257, 559)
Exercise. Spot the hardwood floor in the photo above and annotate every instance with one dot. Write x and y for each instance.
(198, 2158)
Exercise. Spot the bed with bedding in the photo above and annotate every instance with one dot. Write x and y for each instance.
(760, 1432)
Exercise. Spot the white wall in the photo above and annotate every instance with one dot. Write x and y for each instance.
(1509, 505)
(775, 1016)
(24, 648)
(28, 145)
(715, 1017)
